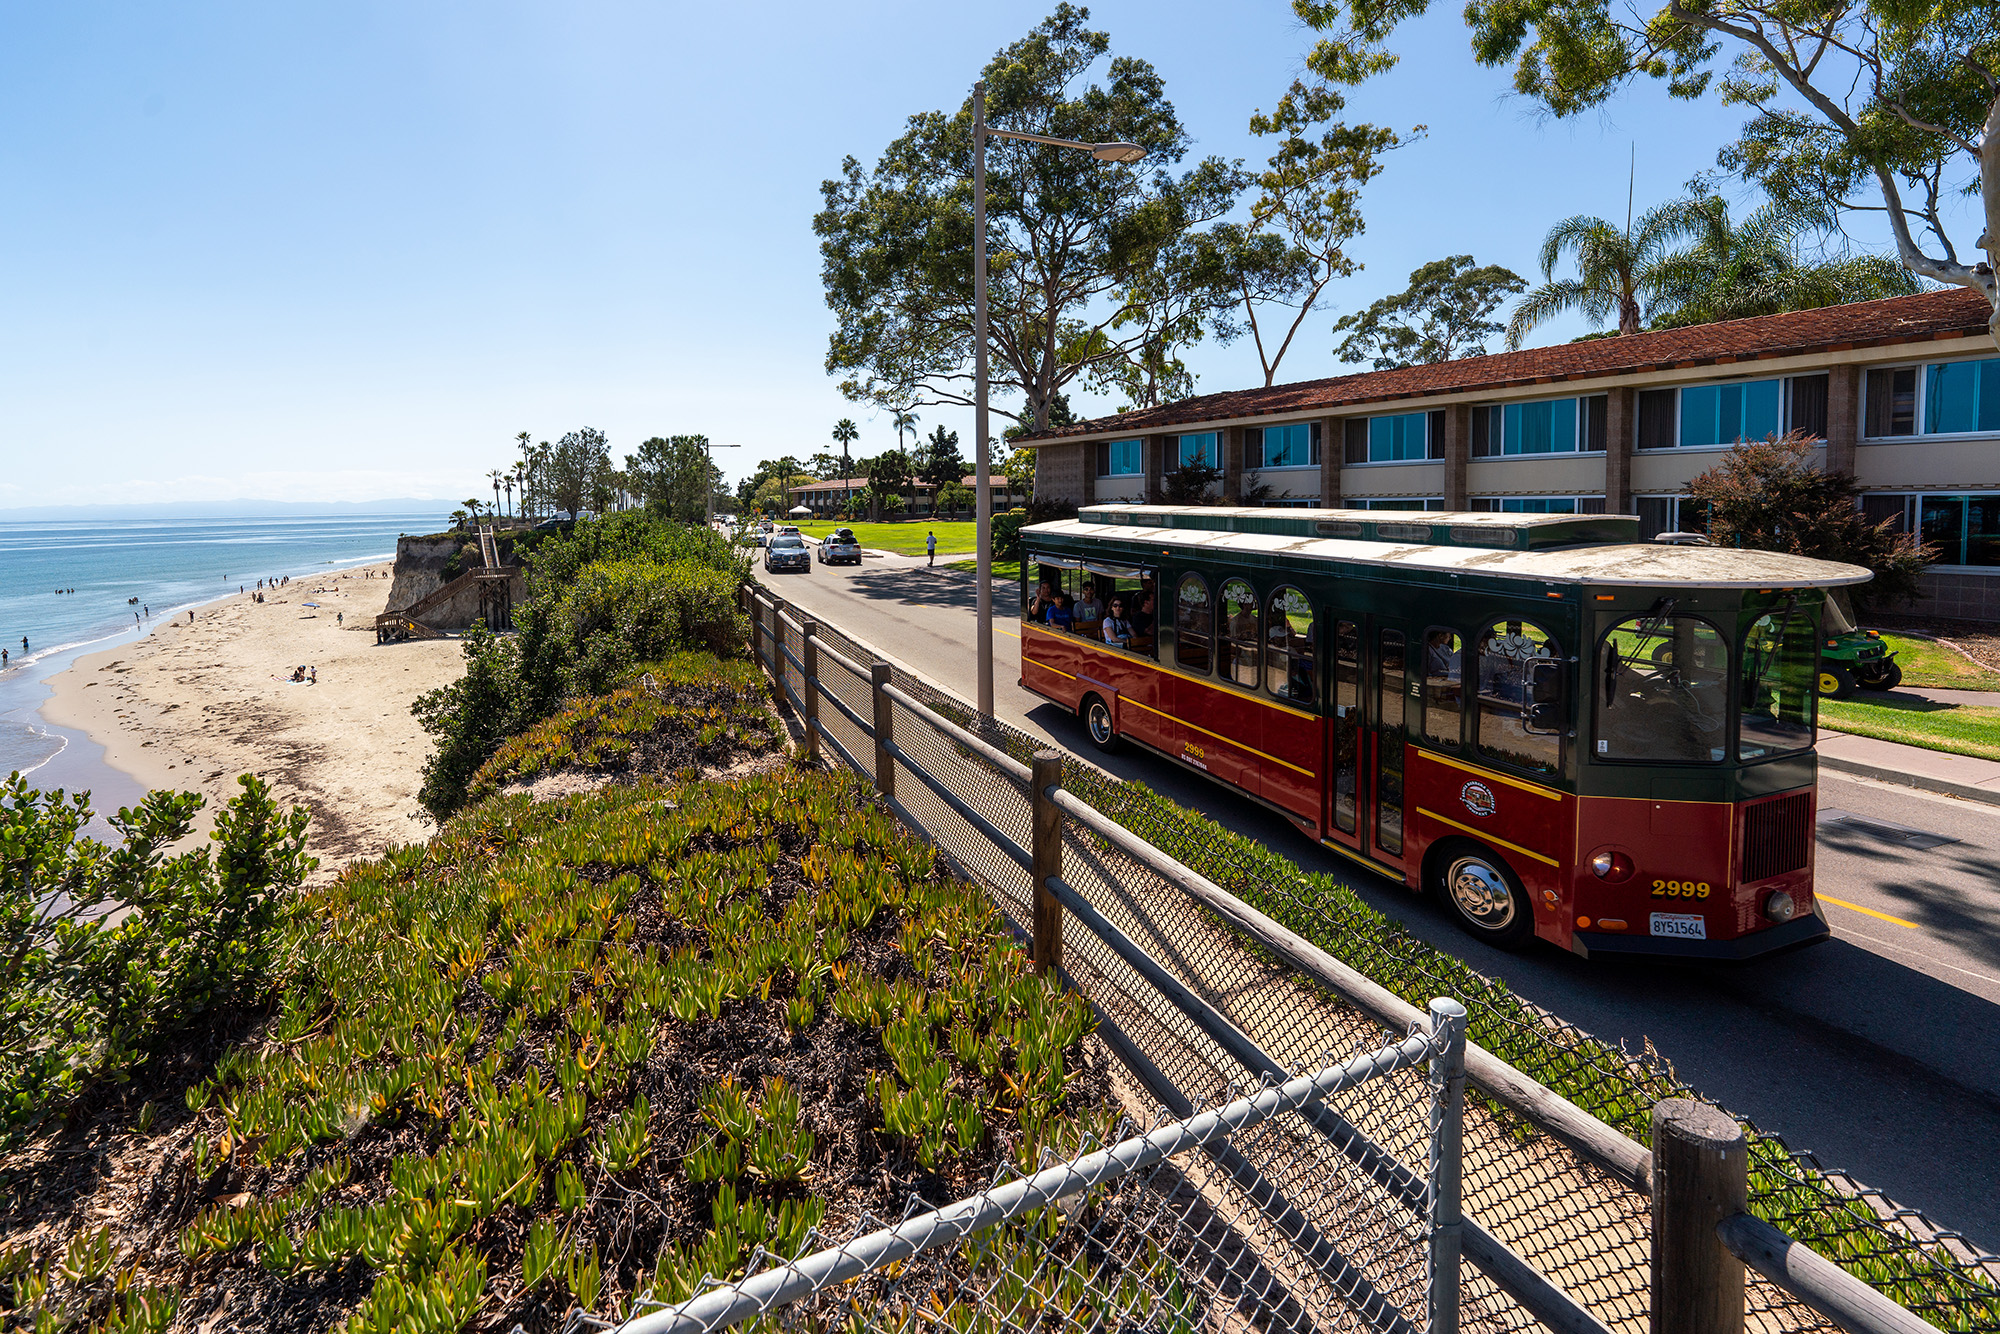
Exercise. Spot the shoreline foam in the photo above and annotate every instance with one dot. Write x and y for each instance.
(191, 706)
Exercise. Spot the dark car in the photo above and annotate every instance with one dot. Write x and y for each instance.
(787, 551)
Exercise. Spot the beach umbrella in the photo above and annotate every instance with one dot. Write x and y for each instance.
(309, 604)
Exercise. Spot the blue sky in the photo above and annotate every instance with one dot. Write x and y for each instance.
(346, 251)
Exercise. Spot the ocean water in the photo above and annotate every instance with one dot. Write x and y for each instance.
(169, 565)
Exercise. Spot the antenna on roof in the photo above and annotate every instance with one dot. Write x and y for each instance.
(1631, 183)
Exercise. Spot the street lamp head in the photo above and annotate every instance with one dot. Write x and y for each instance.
(1119, 152)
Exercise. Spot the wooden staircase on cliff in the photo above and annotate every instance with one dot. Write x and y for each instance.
(496, 599)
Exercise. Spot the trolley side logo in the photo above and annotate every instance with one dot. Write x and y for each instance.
(1478, 798)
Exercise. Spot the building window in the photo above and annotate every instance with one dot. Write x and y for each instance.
(1550, 426)
(1291, 446)
(1656, 418)
(1805, 405)
(1398, 439)
(1722, 414)
(1538, 504)
(1670, 514)
(1120, 458)
(1197, 449)
(1962, 396)
(1892, 402)
(1965, 530)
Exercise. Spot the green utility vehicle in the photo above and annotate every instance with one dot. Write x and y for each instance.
(1850, 658)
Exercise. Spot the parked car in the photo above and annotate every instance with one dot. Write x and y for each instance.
(840, 545)
(787, 551)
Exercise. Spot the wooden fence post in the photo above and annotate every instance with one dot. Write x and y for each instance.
(1045, 773)
(809, 655)
(1701, 1175)
(885, 730)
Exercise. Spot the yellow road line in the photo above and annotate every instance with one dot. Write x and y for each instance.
(1855, 907)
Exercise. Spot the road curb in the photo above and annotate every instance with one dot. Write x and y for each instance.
(1900, 778)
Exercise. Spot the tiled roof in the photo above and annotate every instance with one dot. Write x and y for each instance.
(1953, 312)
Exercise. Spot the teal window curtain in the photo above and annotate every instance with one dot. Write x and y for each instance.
(1199, 447)
(1396, 439)
(1962, 396)
(1125, 458)
(1548, 427)
(1287, 446)
(1722, 414)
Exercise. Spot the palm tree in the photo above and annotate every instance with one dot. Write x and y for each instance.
(507, 480)
(845, 432)
(1733, 270)
(1615, 269)
(495, 476)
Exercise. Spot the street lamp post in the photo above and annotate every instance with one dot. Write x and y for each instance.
(983, 507)
(708, 479)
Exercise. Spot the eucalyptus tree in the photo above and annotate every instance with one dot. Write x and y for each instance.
(1864, 106)
(1306, 211)
(1069, 237)
(1445, 313)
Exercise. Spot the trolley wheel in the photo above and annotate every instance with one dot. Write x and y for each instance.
(1098, 723)
(1836, 681)
(1483, 893)
(1889, 678)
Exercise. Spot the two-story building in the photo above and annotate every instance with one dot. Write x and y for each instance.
(1903, 393)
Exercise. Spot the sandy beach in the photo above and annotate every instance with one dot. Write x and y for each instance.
(194, 704)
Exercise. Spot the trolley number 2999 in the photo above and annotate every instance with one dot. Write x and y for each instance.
(1680, 889)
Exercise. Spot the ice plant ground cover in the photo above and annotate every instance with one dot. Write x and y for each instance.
(570, 1051)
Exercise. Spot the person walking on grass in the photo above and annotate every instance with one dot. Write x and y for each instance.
(930, 545)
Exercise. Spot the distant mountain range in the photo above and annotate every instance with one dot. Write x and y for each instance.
(229, 509)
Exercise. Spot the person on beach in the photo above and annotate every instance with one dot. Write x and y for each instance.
(24, 643)
(3, 657)
(339, 618)
(312, 675)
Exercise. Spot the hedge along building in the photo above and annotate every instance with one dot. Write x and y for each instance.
(1904, 393)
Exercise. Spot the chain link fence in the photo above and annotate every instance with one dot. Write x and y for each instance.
(1170, 1229)
(1566, 1209)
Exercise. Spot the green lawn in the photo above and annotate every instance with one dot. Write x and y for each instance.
(1009, 570)
(1962, 729)
(953, 535)
(1927, 664)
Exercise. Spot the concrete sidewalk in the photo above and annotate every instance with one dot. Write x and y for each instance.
(1911, 766)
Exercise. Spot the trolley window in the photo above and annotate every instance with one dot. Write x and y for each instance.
(1516, 666)
(1780, 661)
(1663, 685)
(1443, 692)
(1194, 624)
(1240, 640)
(1347, 721)
(1288, 647)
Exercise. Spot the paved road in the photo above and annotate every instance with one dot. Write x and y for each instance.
(1879, 1050)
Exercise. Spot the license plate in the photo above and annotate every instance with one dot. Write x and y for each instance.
(1682, 925)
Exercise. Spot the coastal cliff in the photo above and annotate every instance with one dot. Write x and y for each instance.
(426, 564)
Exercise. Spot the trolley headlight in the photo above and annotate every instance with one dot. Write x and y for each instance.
(1613, 866)
(1779, 907)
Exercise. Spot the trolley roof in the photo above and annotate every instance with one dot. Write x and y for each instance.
(1555, 548)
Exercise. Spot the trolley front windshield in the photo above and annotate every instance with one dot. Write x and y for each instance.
(1775, 695)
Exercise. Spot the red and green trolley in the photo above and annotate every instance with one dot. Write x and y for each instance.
(1563, 731)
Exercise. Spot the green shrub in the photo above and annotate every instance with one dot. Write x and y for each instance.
(603, 597)
(85, 991)
(616, 614)
(506, 1034)
(697, 709)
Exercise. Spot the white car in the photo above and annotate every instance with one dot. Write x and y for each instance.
(840, 545)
